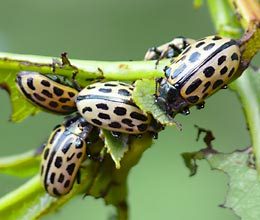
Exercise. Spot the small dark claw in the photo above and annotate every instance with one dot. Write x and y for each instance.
(224, 87)
(116, 134)
(155, 135)
(185, 111)
(200, 105)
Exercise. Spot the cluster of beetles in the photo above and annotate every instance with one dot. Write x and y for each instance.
(197, 70)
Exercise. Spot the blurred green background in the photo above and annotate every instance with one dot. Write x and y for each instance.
(159, 186)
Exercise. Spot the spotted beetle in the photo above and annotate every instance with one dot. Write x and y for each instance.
(199, 71)
(47, 93)
(63, 154)
(168, 50)
(109, 105)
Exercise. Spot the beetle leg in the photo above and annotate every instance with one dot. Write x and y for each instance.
(224, 87)
(185, 111)
(200, 105)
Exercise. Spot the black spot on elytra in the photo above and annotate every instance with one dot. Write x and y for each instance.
(216, 38)
(124, 92)
(120, 110)
(205, 96)
(209, 46)
(46, 153)
(218, 83)
(64, 100)
(56, 192)
(231, 72)
(45, 83)
(30, 83)
(58, 91)
(123, 84)
(71, 94)
(86, 109)
(53, 104)
(206, 86)
(102, 106)
(61, 178)
(103, 116)
(200, 44)
(79, 155)
(222, 59)
(194, 57)
(234, 56)
(138, 116)
(67, 183)
(52, 177)
(70, 168)
(179, 70)
(193, 99)
(193, 86)
(208, 71)
(128, 122)
(70, 157)
(110, 85)
(130, 129)
(79, 144)
(114, 124)
(105, 90)
(47, 93)
(91, 87)
(223, 70)
(58, 162)
(96, 121)
(66, 147)
(142, 127)
(38, 97)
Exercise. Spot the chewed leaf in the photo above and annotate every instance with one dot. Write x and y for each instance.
(243, 194)
(143, 96)
(21, 108)
(23, 165)
(116, 146)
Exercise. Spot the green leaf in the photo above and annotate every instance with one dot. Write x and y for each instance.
(21, 108)
(116, 146)
(143, 96)
(243, 195)
(248, 89)
(22, 165)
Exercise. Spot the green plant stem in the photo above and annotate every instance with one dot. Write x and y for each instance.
(87, 70)
(223, 15)
(248, 97)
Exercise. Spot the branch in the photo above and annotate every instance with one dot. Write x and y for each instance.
(246, 86)
(87, 70)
